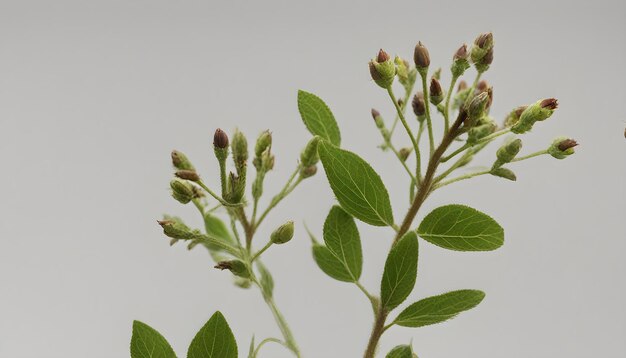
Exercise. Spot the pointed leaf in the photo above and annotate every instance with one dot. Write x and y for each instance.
(400, 271)
(461, 228)
(265, 278)
(440, 308)
(342, 239)
(358, 188)
(146, 342)
(329, 263)
(214, 340)
(318, 118)
(403, 351)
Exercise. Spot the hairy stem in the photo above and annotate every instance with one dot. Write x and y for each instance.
(416, 147)
(446, 107)
(377, 332)
(429, 123)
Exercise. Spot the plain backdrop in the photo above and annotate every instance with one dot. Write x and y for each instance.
(95, 94)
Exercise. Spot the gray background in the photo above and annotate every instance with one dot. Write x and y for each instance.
(95, 94)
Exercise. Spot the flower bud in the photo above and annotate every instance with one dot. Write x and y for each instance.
(308, 172)
(404, 153)
(220, 146)
(267, 160)
(507, 152)
(460, 62)
(418, 104)
(476, 107)
(180, 161)
(479, 132)
(190, 175)
(174, 228)
(436, 93)
(309, 155)
(378, 119)
(240, 152)
(182, 191)
(513, 117)
(421, 57)
(283, 233)
(562, 147)
(262, 143)
(237, 267)
(462, 86)
(538, 111)
(236, 188)
(504, 173)
(406, 76)
(382, 69)
(482, 52)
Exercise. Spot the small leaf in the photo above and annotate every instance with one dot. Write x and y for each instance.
(265, 278)
(216, 228)
(403, 351)
(342, 240)
(461, 228)
(400, 271)
(440, 308)
(358, 188)
(251, 349)
(329, 263)
(214, 340)
(146, 342)
(318, 118)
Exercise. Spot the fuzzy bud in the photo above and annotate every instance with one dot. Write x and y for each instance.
(460, 62)
(418, 104)
(382, 69)
(236, 188)
(482, 52)
(220, 146)
(180, 161)
(283, 233)
(479, 132)
(308, 172)
(240, 152)
(309, 155)
(421, 57)
(182, 191)
(538, 111)
(190, 175)
(237, 267)
(476, 107)
(404, 153)
(462, 86)
(507, 152)
(504, 173)
(263, 142)
(513, 116)
(436, 93)
(176, 229)
(562, 147)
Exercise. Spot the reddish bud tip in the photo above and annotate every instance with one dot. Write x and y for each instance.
(382, 56)
(549, 103)
(421, 56)
(484, 40)
(435, 88)
(164, 223)
(482, 86)
(188, 175)
(567, 144)
(488, 59)
(220, 139)
(419, 107)
(462, 86)
(375, 113)
(461, 53)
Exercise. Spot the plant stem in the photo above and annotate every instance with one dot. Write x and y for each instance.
(431, 138)
(377, 332)
(536, 154)
(408, 131)
(212, 193)
(407, 94)
(373, 300)
(282, 324)
(288, 188)
(258, 253)
(267, 340)
(446, 108)
(462, 177)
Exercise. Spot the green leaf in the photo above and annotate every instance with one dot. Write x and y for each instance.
(146, 342)
(342, 240)
(358, 188)
(265, 278)
(216, 228)
(461, 228)
(318, 118)
(328, 262)
(440, 308)
(400, 271)
(214, 340)
(403, 351)
(251, 349)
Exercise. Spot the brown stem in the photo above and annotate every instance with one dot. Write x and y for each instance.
(377, 332)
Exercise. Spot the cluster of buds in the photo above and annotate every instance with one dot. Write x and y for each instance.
(182, 189)
(482, 52)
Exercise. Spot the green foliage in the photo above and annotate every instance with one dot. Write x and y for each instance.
(216, 228)
(440, 308)
(358, 188)
(341, 258)
(214, 340)
(461, 228)
(266, 280)
(400, 271)
(402, 351)
(146, 342)
(318, 118)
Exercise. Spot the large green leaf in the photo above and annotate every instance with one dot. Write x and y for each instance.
(440, 308)
(461, 228)
(400, 271)
(318, 118)
(403, 351)
(358, 188)
(146, 342)
(214, 340)
(330, 264)
(343, 242)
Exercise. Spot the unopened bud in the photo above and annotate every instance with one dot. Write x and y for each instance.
(418, 104)
(538, 111)
(267, 160)
(504, 173)
(176, 229)
(477, 133)
(309, 155)
(404, 153)
(237, 267)
(436, 93)
(482, 86)
(462, 86)
(513, 116)
(180, 161)
(507, 152)
(182, 191)
(236, 188)
(477, 105)
(562, 147)
(220, 139)
(263, 142)
(308, 172)
(240, 152)
(482, 51)
(187, 175)
(421, 57)
(382, 56)
(460, 62)
(283, 233)
(382, 72)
